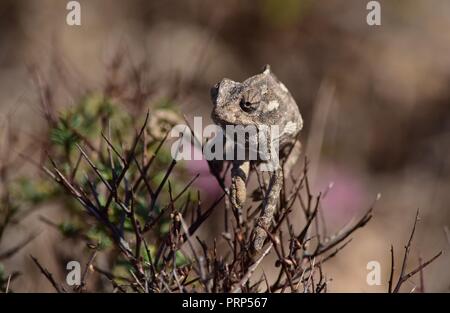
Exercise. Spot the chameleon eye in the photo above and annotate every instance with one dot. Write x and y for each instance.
(248, 106)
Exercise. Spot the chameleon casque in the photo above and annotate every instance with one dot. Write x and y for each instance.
(261, 100)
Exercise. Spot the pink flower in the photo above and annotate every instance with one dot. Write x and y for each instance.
(345, 195)
(206, 182)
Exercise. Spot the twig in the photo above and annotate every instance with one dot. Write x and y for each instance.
(391, 275)
(251, 270)
(404, 277)
(48, 275)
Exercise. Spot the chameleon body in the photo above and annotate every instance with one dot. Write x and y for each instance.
(261, 101)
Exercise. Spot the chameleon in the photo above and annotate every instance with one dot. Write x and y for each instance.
(261, 100)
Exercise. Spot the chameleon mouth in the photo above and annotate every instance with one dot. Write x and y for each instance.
(221, 120)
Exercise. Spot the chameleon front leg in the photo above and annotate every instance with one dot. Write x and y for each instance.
(239, 175)
(269, 207)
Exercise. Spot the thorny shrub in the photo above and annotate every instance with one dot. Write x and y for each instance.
(108, 157)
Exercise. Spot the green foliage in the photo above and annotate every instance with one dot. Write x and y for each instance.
(85, 126)
(100, 238)
(285, 13)
(32, 192)
(69, 229)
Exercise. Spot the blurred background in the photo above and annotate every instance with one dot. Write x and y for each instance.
(375, 101)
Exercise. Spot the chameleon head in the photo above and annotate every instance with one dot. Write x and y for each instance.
(259, 100)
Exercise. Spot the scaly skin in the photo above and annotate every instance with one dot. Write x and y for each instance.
(261, 100)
